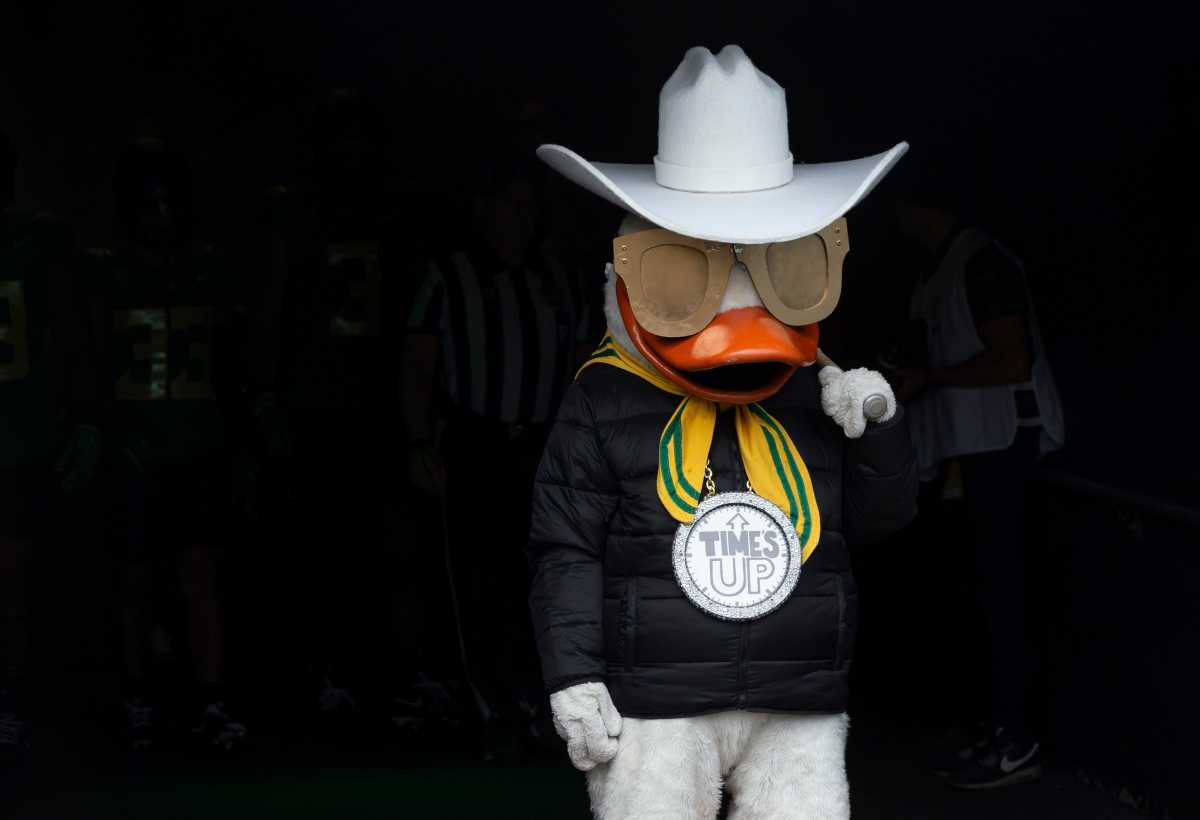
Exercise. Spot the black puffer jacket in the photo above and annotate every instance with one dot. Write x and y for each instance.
(604, 600)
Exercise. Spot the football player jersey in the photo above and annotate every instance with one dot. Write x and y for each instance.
(168, 352)
(342, 319)
(31, 245)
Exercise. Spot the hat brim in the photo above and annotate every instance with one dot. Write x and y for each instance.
(817, 195)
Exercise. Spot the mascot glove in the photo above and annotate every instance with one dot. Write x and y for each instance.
(843, 394)
(584, 716)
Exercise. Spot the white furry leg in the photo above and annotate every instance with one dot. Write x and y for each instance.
(664, 770)
(794, 767)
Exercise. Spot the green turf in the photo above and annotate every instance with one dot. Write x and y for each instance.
(71, 778)
(475, 792)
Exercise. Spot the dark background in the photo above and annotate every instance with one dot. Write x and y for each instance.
(1068, 131)
(1066, 128)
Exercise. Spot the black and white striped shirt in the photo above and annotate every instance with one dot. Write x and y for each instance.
(507, 333)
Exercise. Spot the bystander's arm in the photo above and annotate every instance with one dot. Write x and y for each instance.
(1005, 359)
(419, 372)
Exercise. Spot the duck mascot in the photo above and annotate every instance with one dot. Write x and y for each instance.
(692, 596)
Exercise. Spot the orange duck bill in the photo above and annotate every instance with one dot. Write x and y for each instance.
(741, 356)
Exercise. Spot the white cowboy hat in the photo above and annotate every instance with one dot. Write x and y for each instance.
(724, 171)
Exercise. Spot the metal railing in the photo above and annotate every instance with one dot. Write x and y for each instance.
(1063, 479)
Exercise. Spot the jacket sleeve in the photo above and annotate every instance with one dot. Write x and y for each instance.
(880, 474)
(574, 495)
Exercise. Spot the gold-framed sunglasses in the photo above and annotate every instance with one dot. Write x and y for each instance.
(675, 282)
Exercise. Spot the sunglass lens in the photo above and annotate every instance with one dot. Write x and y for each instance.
(799, 271)
(674, 281)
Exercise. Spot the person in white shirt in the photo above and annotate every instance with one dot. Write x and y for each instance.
(984, 395)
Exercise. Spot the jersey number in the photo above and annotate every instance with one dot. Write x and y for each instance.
(14, 333)
(356, 265)
(168, 353)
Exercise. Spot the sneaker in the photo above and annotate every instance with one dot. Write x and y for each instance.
(217, 730)
(1008, 760)
(423, 701)
(960, 747)
(334, 699)
(139, 724)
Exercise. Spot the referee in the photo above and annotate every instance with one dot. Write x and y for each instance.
(496, 330)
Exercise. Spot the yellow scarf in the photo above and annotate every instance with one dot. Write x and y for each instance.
(772, 463)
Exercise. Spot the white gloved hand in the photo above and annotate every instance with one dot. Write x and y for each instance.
(584, 716)
(843, 394)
